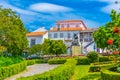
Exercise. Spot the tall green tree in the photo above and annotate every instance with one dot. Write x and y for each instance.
(12, 32)
(107, 32)
(35, 49)
(53, 47)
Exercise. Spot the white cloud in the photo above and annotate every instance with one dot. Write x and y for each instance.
(16, 9)
(111, 5)
(48, 7)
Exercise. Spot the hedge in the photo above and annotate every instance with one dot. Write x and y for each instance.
(57, 61)
(96, 67)
(109, 75)
(83, 61)
(34, 61)
(12, 70)
(62, 72)
(106, 58)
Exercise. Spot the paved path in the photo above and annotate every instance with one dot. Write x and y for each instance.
(33, 69)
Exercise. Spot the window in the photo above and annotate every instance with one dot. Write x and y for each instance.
(55, 35)
(32, 42)
(69, 35)
(62, 25)
(49, 35)
(61, 35)
(68, 25)
(77, 25)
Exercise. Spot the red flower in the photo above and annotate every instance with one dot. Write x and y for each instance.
(116, 30)
(115, 52)
(110, 41)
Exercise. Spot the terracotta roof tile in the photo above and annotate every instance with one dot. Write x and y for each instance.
(67, 29)
(35, 34)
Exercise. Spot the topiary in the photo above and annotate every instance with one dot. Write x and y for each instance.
(93, 56)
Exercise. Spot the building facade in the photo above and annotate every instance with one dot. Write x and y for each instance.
(65, 30)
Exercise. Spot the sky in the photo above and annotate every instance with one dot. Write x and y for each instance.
(44, 13)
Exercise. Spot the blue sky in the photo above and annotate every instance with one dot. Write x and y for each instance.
(39, 13)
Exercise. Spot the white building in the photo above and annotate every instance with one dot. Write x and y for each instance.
(65, 31)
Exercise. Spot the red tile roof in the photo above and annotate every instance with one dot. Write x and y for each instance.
(35, 34)
(67, 29)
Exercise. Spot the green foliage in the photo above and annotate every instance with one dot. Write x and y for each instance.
(12, 32)
(93, 56)
(101, 36)
(12, 70)
(57, 61)
(109, 75)
(6, 61)
(41, 61)
(53, 47)
(83, 61)
(106, 58)
(30, 62)
(62, 72)
(106, 32)
(96, 67)
(35, 49)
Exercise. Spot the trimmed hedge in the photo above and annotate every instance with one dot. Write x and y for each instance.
(83, 61)
(96, 67)
(106, 58)
(57, 61)
(109, 75)
(41, 61)
(30, 62)
(62, 72)
(12, 70)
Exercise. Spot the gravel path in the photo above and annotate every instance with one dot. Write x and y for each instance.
(33, 69)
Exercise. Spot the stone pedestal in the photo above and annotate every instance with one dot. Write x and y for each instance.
(76, 50)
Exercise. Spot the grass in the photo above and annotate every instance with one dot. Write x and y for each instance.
(81, 73)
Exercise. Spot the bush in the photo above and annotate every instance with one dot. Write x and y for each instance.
(57, 61)
(83, 61)
(109, 75)
(93, 56)
(6, 61)
(96, 67)
(12, 70)
(41, 61)
(106, 58)
(62, 72)
(30, 62)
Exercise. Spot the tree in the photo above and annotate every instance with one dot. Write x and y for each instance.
(58, 47)
(35, 49)
(53, 47)
(108, 32)
(12, 32)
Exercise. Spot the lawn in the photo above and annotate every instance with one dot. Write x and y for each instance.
(81, 73)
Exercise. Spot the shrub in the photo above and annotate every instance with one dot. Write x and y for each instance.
(41, 61)
(96, 67)
(12, 70)
(106, 58)
(30, 62)
(83, 61)
(57, 61)
(62, 72)
(93, 56)
(109, 75)
(6, 61)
